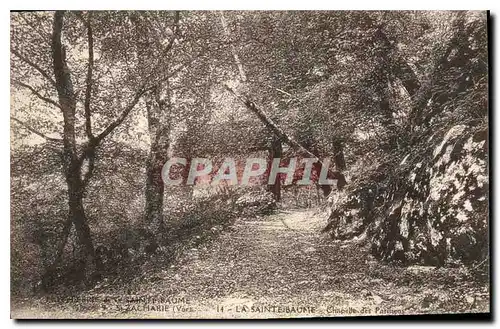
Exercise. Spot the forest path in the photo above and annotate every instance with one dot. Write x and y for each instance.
(280, 266)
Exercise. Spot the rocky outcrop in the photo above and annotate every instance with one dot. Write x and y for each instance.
(432, 208)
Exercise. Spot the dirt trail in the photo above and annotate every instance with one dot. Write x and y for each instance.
(276, 267)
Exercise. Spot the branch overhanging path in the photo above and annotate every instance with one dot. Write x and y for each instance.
(263, 117)
(271, 125)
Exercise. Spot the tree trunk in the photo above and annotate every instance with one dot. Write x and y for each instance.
(275, 151)
(338, 154)
(72, 162)
(77, 214)
(158, 153)
(154, 187)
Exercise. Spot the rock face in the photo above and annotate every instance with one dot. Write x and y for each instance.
(433, 209)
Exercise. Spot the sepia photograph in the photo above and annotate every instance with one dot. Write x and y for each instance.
(224, 164)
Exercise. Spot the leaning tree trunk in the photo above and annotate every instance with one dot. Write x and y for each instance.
(270, 124)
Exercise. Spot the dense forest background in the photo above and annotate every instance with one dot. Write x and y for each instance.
(101, 100)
